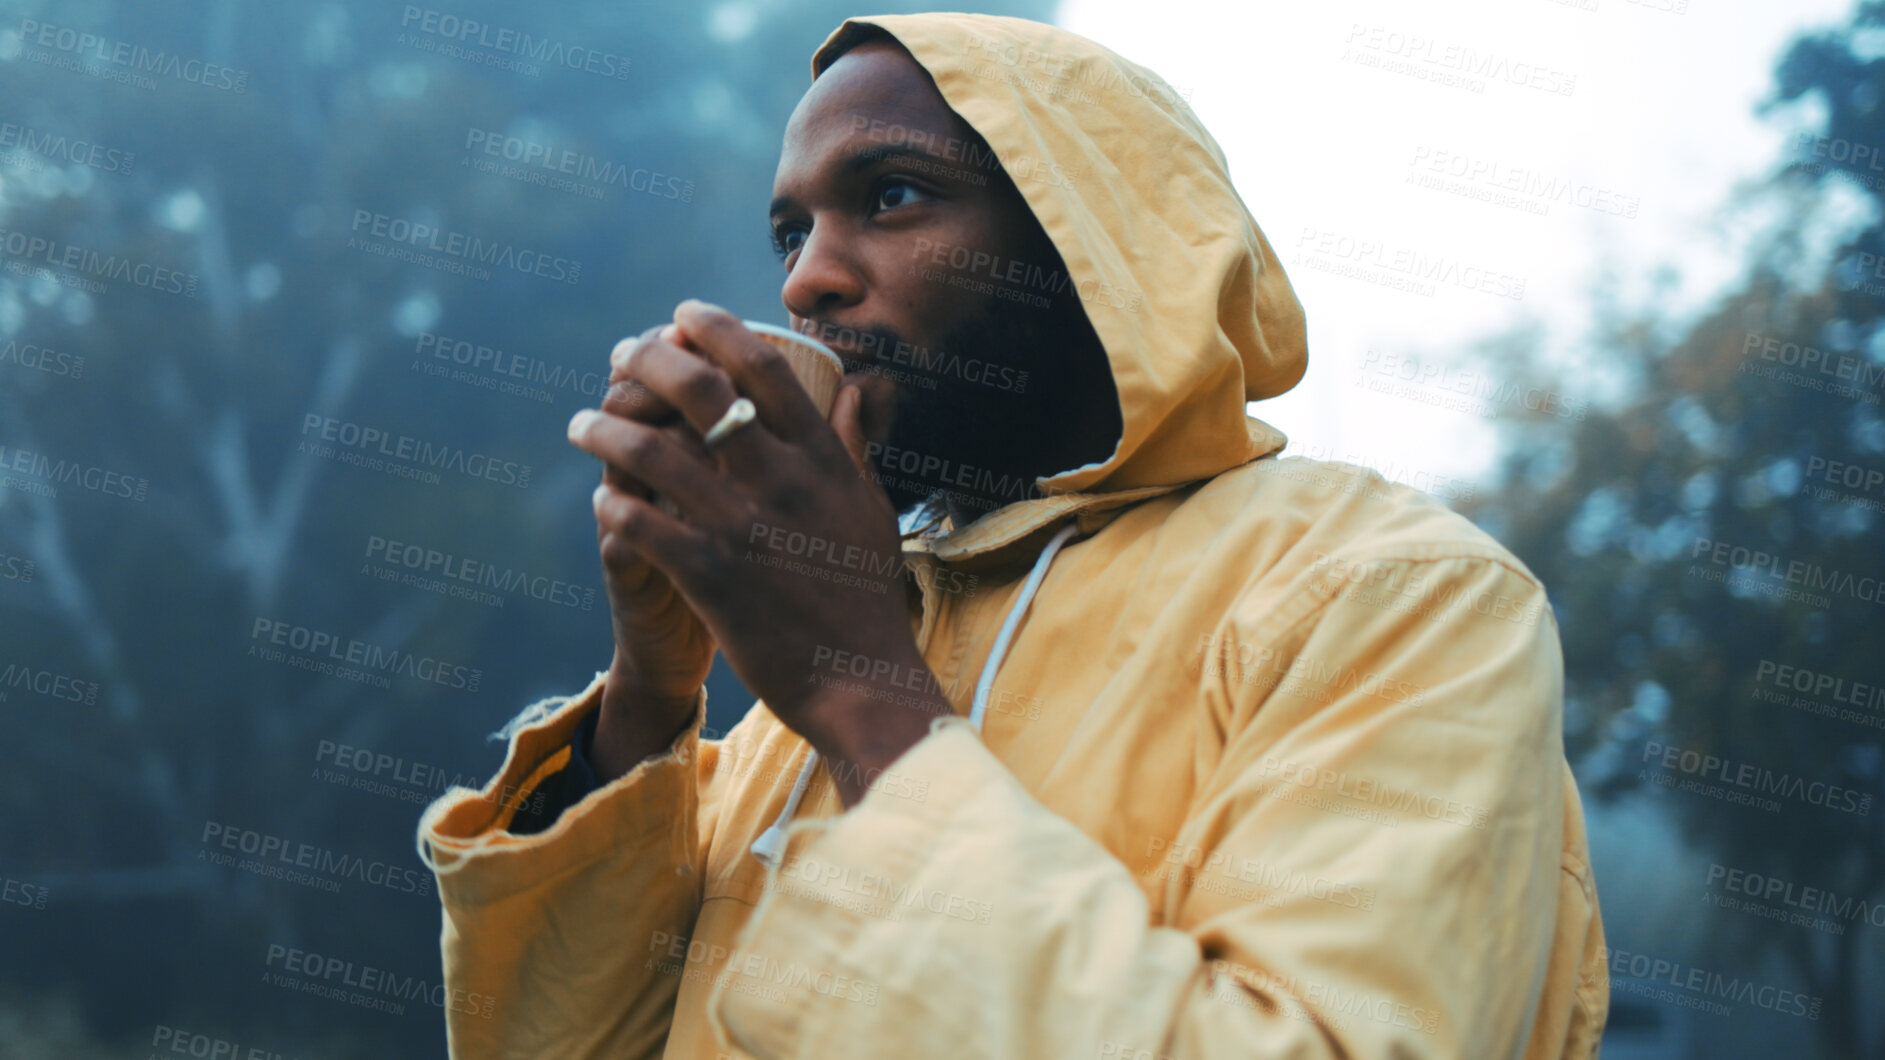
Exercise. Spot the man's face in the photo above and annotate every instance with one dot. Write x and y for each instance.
(883, 199)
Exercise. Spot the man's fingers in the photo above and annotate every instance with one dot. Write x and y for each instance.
(703, 394)
(633, 528)
(625, 396)
(757, 369)
(655, 458)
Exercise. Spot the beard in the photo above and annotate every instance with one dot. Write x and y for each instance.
(978, 434)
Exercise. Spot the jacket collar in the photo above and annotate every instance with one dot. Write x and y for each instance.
(1015, 532)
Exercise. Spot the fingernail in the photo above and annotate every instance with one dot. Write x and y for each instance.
(601, 494)
(579, 423)
(708, 306)
(625, 349)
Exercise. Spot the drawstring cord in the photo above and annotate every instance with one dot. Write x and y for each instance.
(771, 844)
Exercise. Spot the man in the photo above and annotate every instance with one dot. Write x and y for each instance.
(1180, 750)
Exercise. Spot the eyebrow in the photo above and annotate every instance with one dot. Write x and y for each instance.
(861, 160)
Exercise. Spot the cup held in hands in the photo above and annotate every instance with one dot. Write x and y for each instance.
(818, 369)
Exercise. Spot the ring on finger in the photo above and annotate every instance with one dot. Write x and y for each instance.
(737, 415)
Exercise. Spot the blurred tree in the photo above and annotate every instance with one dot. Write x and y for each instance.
(1719, 441)
(347, 106)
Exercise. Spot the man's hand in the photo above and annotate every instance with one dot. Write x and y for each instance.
(783, 550)
(662, 651)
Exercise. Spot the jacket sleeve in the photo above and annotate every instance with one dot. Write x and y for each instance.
(1377, 872)
(529, 969)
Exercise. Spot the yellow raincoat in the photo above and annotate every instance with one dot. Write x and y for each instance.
(1270, 763)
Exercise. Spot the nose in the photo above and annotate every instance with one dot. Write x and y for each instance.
(824, 277)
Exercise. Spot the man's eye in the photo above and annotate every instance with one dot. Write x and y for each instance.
(787, 240)
(897, 193)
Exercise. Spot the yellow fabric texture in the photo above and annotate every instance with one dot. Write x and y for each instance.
(1273, 767)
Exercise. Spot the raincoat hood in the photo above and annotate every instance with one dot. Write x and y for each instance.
(1186, 294)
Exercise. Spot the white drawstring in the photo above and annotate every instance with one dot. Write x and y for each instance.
(771, 843)
(1015, 613)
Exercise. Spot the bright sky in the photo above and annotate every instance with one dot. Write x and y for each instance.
(1323, 131)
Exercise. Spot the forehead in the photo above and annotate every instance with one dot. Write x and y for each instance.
(868, 89)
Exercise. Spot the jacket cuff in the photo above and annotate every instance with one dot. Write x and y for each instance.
(569, 786)
(842, 876)
(469, 830)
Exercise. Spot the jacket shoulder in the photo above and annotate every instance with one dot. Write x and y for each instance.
(1332, 511)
